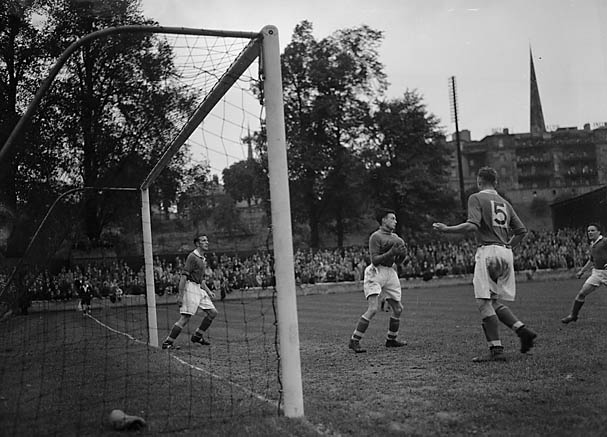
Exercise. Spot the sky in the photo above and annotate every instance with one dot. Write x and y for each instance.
(483, 43)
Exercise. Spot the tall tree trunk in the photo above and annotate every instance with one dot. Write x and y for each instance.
(339, 228)
(8, 192)
(314, 232)
(8, 112)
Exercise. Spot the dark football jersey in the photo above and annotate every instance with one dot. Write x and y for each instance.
(494, 217)
(194, 268)
(380, 242)
(598, 253)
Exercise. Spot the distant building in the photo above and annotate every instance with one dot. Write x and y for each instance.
(550, 166)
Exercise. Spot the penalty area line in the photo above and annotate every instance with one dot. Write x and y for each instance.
(258, 396)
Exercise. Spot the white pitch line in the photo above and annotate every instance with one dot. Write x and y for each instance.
(185, 363)
(321, 429)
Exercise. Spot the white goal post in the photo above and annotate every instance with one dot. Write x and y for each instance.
(265, 46)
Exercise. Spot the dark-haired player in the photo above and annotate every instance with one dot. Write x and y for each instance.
(193, 294)
(598, 261)
(498, 229)
(381, 280)
(85, 293)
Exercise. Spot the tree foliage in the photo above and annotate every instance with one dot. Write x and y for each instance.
(22, 58)
(247, 180)
(109, 114)
(409, 162)
(116, 101)
(328, 86)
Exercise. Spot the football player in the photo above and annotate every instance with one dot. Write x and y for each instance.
(381, 280)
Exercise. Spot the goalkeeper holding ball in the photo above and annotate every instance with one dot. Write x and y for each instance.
(381, 280)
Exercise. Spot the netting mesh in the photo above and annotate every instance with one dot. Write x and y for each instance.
(76, 338)
(218, 140)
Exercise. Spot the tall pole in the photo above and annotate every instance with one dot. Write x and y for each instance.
(150, 292)
(460, 171)
(288, 330)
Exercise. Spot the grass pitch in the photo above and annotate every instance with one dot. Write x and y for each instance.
(61, 374)
(431, 387)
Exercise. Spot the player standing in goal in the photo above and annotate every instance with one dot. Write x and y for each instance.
(598, 261)
(381, 280)
(193, 294)
(498, 229)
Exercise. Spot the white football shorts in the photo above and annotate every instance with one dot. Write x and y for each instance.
(494, 273)
(195, 297)
(381, 280)
(597, 278)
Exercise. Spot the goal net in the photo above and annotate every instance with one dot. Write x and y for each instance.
(82, 325)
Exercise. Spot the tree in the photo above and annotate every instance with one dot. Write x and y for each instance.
(328, 86)
(246, 180)
(114, 101)
(408, 162)
(194, 202)
(21, 60)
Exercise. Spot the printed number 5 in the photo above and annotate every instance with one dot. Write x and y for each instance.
(500, 216)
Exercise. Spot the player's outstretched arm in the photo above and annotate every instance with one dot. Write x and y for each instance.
(462, 228)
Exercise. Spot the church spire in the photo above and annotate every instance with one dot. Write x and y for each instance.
(249, 141)
(537, 125)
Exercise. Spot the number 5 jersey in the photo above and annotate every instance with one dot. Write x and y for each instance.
(494, 218)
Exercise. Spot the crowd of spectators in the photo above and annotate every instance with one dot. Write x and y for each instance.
(563, 249)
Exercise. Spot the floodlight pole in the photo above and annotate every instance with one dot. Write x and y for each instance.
(288, 330)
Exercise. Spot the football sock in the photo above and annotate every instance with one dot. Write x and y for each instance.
(361, 327)
(577, 306)
(175, 331)
(393, 328)
(491, 329)
(204, 325)
(505, 315)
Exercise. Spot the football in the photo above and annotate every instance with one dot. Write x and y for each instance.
(119, 420)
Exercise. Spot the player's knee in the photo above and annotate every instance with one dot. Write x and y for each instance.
(497, 306)
(582, 295)
(183, 320)
(397, 309)
(485, 307)
(212, 313)
(584, 292)
(371, 312)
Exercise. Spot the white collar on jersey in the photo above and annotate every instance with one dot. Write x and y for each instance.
(198, 254)
(596, 241)
(489, 190)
